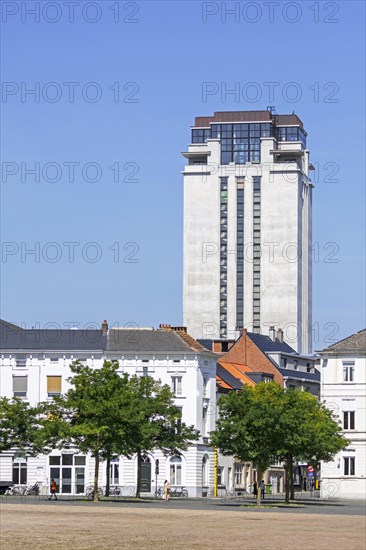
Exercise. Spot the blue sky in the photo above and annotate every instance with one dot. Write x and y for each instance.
(160, 63)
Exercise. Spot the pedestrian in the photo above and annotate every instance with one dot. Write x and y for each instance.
(167, 487)
(255, 489)
(262, 488)
(53, 489)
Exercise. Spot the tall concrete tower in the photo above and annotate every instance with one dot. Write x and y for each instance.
(247, 227)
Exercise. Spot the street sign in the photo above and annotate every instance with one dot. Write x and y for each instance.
(310, 469)
(311, 474)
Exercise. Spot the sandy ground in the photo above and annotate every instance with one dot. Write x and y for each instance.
(76, 527)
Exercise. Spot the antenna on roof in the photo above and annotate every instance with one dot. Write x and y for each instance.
(272, 109)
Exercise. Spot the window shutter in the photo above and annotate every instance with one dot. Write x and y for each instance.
(20, 384)
(53, 384)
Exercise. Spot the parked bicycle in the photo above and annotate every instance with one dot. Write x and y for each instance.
(23, 490)
(175, 491)
(89, 491)
(114, 490)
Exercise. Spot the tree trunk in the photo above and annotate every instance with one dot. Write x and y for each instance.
(139, 459)
(96, 477)
(259, 479)
(291, 473)
(287, 478)
(108, 476)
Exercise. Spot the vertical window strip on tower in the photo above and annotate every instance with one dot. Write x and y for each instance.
(223, 256)
(256, 252)
(239, 252)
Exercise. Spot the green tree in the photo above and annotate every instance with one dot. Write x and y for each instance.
(247, 425)
(309, 431)
(20, 426)
(91, 414)
(155, 421)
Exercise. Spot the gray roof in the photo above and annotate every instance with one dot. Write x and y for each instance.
(265, 344)
(14, 338)
(118, 341)
(138, 340)
(352, 344)
(227, 377)
(309, 376)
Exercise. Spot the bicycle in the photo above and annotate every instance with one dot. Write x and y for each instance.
(32, 489)
(89, 491)
(16, 490)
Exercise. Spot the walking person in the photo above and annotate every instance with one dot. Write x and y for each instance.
(255, 489)
(167, 487)
(262, 488)
(53, 489)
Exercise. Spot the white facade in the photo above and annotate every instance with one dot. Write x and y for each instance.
(276, 218)
(32, 375)
(343, 388)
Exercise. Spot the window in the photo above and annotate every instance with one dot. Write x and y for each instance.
(19, 469)
(291, 133)
(238, 474)
(349, 465)
(53, 385)
(67, 459)
(145, 361)
(177, 385)
(176, 470)
(176, 424)
(220, 475)
(205, 387)
(201, 136)
(349, 420)
(348, 371)
(296, 364)
(284, 363)
(145, 371)
(114, 471)
(20, 385)
(176, 360)
(204, 421)
(308, 367)
(54, 359)
(68, 471)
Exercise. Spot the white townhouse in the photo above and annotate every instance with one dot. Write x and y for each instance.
(343, 388)
(35, 365)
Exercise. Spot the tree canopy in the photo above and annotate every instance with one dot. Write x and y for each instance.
(257, 423)
(19, 426)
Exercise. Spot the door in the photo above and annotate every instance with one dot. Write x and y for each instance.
(145, 485)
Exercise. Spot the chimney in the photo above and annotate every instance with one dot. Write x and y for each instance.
(272, 333)
(279, 335)
(104, 327)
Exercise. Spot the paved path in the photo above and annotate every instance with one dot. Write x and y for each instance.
(354, 507)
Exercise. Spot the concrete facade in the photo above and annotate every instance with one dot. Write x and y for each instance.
(277, 220)
(343, 388)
